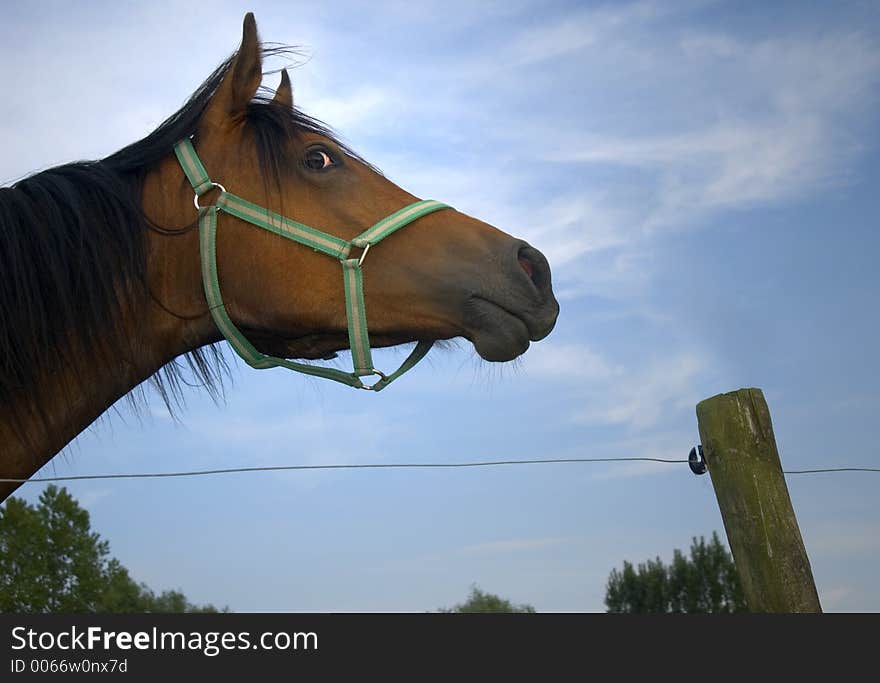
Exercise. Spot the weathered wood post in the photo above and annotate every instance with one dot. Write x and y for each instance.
(743, 462)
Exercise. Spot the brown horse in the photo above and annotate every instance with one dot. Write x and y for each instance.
(100, 285)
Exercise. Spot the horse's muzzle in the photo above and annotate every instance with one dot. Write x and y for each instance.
(513, 304)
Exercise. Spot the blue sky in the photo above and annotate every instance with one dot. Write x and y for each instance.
(703, 177)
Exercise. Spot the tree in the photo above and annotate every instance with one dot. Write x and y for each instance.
(705, 582)
(479, 601)
(51, 561)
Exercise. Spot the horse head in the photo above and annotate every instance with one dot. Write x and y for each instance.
(446, 275)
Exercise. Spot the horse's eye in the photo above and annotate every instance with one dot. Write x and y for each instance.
(318, 160)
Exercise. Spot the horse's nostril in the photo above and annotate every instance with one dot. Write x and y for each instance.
(535, 266)
(527, 266)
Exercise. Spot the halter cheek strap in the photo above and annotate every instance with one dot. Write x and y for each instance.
(352, 274)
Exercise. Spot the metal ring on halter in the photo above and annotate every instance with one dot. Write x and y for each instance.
(361, 260)
(196, 197)
(369, 387)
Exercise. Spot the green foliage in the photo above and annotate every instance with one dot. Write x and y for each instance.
(705, 582)
(52, 562)
(479, 601)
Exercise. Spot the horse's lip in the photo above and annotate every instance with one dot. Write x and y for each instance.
(532, 334)
(497, 333)
(477, 297)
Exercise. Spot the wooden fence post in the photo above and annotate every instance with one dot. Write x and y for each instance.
(743, 462)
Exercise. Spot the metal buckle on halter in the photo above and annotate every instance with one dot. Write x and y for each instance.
(364, 249)
(383, 377)
(361, 262)
(196, 197)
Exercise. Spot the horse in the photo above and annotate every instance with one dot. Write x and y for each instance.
(111, 277)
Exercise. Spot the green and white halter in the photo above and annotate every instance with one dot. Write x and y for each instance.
(352, 274)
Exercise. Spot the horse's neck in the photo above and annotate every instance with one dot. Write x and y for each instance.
(71, 399)
(70, 404)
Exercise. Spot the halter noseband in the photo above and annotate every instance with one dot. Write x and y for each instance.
(323, 242)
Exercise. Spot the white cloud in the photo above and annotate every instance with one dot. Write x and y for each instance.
(559, 37)
(569, 362)
(577, 224)
(726, 166)
(638, 397)
(768, 130)
(354, 113)
(643, 398)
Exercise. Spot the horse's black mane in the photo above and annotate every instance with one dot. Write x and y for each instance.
(73, 252)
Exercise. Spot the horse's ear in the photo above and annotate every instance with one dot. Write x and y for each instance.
(242, 79)
(284, 94)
